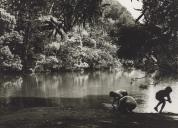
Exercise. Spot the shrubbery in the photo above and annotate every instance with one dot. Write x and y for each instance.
(47, 63)
(8, 61)
(86, 54)
(9, 57)
(79, 51)
(7, 21)
(10, 41)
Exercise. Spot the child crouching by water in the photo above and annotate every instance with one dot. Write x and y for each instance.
(125, 103)
(160, 96)
(117, 95)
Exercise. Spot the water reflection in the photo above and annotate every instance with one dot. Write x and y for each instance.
(78, 90)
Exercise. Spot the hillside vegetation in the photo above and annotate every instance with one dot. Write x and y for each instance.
(55, 35)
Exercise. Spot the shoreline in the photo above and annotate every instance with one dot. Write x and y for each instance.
(54, 117)
(58, 71)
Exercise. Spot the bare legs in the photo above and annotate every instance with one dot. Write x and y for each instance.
(162, 107)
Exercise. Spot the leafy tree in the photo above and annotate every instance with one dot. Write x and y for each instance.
(7, 21)
(163, 14)
(153, 44)
(8, 61)
(137, 46)
(10, 42)
(116, 12)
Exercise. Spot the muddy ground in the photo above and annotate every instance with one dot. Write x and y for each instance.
(54, 117)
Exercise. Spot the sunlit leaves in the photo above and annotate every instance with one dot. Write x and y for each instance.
(7, 21)
(8, 61)
(7, 17)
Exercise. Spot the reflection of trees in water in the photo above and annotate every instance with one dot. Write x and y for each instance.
(48, 84)
(9, 85)
(30, 87)
(80, 79)
(21, 91)
(56, 85)
(63, 85)
(19, 86)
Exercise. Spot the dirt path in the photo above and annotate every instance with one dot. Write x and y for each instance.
(53, 117)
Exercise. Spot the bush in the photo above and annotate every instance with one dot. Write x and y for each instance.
(97, 58)
(81, 51)
(14, 41)
(47, 63)
(7, 21)
(52, 48)
(8, 61)
(69, 56)
(11, 38)
(89, 42)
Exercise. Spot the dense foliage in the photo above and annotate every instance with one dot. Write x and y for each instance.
(117, 14)
(9, 43)
(55, 35)
(163, 14)
(152, 45)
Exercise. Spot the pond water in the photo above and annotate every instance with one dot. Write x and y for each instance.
(79, 91)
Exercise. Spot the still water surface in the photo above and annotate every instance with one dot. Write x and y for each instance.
(79, 90)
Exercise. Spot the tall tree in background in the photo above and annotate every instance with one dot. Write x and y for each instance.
(162, 14)
(154, 41)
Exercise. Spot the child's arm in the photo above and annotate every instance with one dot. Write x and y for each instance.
(113, 102)
(169, 99)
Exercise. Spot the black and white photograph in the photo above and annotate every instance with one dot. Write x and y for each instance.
(88, 63)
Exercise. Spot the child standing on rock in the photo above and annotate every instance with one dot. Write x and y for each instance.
(162, 96)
